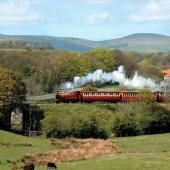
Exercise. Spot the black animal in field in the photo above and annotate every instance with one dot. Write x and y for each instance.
(51, 165)
(29, 167)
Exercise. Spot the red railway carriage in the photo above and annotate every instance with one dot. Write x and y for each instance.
(100, 96)
(105, 96)
(128, 96)
(163, 96)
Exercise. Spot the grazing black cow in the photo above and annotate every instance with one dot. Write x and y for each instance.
(29, 167)
(51, 165)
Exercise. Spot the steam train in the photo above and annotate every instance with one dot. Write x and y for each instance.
(106, 96)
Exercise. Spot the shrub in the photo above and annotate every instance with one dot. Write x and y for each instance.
(102, 120)
(89, 87)
(77, 120)
(141, 118)
(154, 119)
(15, 167)
(125, 124)
(146, 96)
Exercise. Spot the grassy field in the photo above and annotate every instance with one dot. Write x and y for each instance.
(138, 153)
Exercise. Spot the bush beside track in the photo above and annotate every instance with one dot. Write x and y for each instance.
(105, 120)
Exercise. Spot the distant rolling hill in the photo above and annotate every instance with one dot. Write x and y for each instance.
(141, 42)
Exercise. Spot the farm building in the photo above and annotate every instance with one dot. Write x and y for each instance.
(166, 75)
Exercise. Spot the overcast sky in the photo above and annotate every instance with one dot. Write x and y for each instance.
(90, 19)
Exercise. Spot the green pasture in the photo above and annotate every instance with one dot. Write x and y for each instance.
(150, 152)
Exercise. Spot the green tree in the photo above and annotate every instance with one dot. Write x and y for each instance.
(67, 67)
(105, 59)
(148, 69)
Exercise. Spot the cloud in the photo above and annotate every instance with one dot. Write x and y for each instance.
(98, 18)
(18, 11)
(153, 10)
(98, 1)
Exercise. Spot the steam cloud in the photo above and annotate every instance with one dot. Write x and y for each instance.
(137, 82)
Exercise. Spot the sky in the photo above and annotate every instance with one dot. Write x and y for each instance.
(89, 19)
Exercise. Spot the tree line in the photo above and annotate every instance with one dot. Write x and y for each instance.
(44, 71)
(27, 45)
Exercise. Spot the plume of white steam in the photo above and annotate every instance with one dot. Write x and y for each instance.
(137, 82)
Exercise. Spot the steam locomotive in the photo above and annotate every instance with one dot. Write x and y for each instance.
(106, 96)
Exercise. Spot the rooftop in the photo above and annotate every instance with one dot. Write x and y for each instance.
(166, 72)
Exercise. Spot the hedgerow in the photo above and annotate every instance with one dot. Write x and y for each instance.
(105, 120)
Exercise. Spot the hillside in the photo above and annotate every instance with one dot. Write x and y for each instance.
(141, 42)
(142, 153)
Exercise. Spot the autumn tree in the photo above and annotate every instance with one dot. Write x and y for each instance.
(12, 95)
(127, 61)
(12, 88)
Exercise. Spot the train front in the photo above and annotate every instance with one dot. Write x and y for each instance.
(67, 96)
